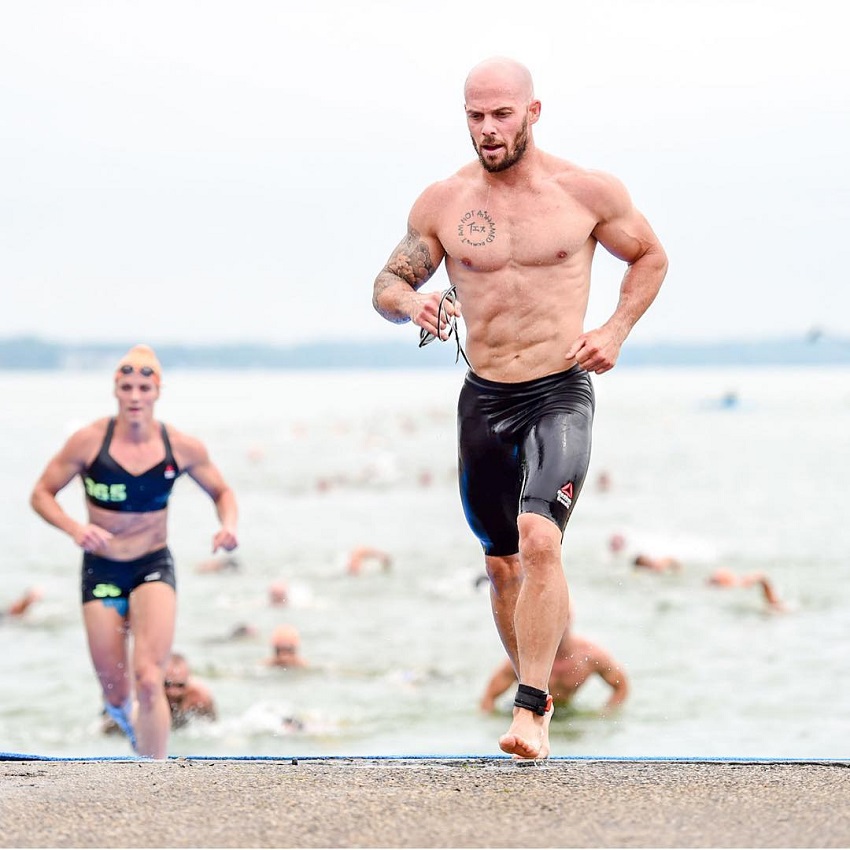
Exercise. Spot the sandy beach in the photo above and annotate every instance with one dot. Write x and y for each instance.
(433, 802)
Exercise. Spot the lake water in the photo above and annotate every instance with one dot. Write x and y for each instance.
(325, 461)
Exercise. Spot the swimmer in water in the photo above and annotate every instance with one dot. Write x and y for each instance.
(362, 556)
(576, 661)
(725, 578)
(643, 560)
(278, 593)
(187, 696)
(286, 646)
(21, 605)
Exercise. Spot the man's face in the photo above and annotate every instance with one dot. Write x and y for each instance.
(498, 115)
(285, 653)
(498, 142)
(176, 680)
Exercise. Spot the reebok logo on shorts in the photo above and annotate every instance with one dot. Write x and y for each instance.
(153, 576)
(565, 495)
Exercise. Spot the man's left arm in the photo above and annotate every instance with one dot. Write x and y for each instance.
(624, 232)
(615, 676)
(199, 701)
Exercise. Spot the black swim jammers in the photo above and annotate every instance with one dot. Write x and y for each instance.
(522, 448)
(112, 582)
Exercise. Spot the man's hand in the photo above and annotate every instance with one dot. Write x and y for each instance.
(423, 312)
(595, 351)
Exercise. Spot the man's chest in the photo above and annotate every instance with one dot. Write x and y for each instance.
(536, 230)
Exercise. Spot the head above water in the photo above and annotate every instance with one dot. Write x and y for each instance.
(617, 542)
(286, 637)
(278, 593)
(500, 109)
(176, 674)
(142, 360)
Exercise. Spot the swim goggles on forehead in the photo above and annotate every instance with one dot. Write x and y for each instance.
(145, 371)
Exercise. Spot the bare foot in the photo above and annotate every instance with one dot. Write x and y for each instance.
(528, 737)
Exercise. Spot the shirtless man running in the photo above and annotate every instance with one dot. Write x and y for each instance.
(517, 230)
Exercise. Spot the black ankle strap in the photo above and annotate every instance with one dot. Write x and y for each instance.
(532, 699)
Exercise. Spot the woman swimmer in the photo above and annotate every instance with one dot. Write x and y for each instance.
(128, 464)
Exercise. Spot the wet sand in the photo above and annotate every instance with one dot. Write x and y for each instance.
(430, 802)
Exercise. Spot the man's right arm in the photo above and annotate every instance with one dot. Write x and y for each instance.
(410, 265)
(395, 294)
(500, 681)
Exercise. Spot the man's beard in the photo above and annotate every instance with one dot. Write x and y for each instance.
(512, 157)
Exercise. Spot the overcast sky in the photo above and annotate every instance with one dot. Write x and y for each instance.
(240, 171)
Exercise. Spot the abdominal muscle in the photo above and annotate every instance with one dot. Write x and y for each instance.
(521, 322)
(133, 535)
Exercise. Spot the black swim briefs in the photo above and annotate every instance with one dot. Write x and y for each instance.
(522, 448)
(112, 582)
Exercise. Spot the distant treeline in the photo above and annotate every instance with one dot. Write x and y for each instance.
(35, 354)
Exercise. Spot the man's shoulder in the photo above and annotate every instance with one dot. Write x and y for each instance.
(583, 646)
(198, 699)
(449, 186)
(198, 692)
(577, 177)
(430, 207)
(599, 191)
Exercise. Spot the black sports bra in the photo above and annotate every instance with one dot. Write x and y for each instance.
(109, 486)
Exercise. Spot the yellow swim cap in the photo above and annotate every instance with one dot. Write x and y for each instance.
(141, 359)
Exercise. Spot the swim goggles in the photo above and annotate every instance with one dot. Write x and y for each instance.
(426, 337)
(145, 371)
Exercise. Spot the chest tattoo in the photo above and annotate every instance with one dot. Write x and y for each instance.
(476, 228)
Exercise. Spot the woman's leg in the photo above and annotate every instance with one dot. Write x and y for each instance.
(153, 610)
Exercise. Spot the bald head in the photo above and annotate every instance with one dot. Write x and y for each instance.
(287, 636)
(502, 75)
(500, 111)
